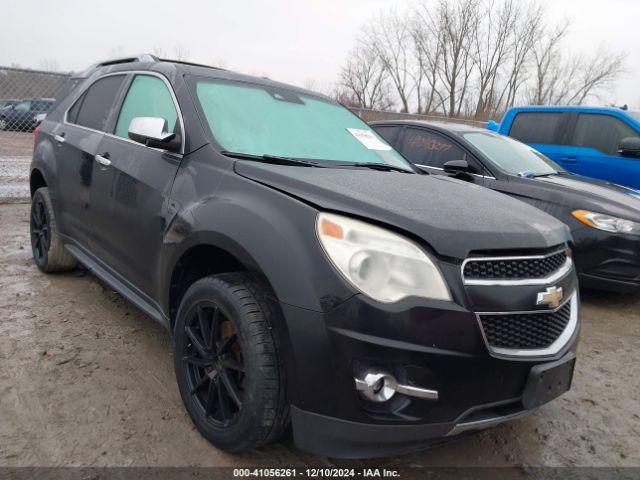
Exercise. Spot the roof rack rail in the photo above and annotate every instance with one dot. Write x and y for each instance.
(143, 57)
(193, 64)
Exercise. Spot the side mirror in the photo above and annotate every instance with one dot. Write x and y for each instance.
(151, 131)
(456, 167)
(630, 147)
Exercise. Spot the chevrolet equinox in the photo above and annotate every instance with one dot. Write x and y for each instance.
(309, 275)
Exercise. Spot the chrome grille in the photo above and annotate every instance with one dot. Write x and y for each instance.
(514, 268)
(526, 331)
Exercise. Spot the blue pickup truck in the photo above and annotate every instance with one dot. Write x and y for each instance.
(596, 142)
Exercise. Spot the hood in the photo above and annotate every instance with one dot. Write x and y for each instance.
(596, 195)
(452, 216)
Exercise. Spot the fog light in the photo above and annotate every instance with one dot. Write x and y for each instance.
(377, 386)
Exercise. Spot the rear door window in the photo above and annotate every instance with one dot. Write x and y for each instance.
(389, 132)
(430, 149)
(536, 127)
(93, 108)
(148, 96)
(601, 132)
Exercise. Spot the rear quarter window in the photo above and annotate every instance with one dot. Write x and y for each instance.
(536, 127)
(92, 109)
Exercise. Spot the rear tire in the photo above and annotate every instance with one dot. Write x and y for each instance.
(226, 358)
(46, 245)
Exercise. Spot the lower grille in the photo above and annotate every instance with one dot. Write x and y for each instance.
(525, 331)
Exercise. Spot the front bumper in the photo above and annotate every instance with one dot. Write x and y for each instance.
(607, 261)
(428, 344)
(338, 438)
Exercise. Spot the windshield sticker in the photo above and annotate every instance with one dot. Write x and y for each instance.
(368, 139)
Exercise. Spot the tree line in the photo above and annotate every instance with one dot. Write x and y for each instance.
(471, 58)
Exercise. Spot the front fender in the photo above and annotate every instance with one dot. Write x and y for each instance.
(272, 234)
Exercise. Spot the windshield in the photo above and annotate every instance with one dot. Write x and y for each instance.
(263, 120)
(512, 156)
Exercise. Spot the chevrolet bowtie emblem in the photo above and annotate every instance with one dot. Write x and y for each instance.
(552, 297)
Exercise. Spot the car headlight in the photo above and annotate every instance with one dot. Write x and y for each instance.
(607, 223)
(381, 264)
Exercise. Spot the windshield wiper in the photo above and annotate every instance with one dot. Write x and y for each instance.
(384, 167)
(275, 159)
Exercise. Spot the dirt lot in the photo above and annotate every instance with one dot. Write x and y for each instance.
(86, 379)
(15, 156)
(16, 144)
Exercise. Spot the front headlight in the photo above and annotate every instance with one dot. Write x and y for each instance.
(607, 223)
(381, 264)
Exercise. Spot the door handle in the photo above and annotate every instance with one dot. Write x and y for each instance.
(60, 138)
(103, 159)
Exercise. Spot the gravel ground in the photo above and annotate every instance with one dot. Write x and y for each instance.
(16, 144)
(86, 379)
(15, 156)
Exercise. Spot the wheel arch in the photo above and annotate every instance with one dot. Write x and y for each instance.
(204, 254)
(36, 180)
(209, 253)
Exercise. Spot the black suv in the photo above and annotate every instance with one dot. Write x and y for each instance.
(309, 274)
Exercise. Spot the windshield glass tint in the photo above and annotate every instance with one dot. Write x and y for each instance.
(510, 155)
(261, 120)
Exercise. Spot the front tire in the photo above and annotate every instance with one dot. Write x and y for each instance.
(46, 244)
(227, 363)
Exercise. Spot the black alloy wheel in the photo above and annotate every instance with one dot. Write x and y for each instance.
(215, 371)
(40, 230)
(48, 250)
(228, 362)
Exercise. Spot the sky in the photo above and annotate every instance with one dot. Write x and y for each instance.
(303, 42)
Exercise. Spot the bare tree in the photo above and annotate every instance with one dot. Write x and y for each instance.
(491, 50)
(427, 45)
(364, 81)
(457, 21)
(472, 58)
(548, 67)
(390, 37)
(527, 28)
(597, 72)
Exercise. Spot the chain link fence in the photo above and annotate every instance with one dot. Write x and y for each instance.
(25, 97)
